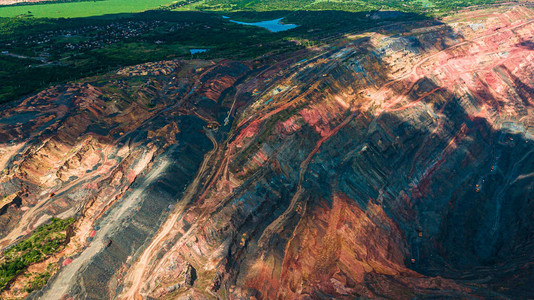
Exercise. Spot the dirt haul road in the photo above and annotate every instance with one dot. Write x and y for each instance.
(139, 269)
(67, 276)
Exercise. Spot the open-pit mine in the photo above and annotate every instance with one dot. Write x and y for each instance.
(393, 163)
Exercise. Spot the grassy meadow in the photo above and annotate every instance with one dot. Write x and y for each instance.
(82, 9)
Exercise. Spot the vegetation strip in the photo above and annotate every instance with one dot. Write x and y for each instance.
(45, 241)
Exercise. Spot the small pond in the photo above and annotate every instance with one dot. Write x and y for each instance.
(195, 51)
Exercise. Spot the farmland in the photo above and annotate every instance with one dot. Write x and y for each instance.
(81, 9)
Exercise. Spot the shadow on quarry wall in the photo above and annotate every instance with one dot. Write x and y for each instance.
(63, 117)
(156, 201)
(466, 203)
(463, 210)
(469, 203)
(95, 281)
(103, 111)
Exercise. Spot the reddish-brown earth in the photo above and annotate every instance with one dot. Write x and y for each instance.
(398, 164)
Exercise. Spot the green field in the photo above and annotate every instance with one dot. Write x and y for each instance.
(82, 9)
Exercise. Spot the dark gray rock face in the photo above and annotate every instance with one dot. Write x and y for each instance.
(190, 275)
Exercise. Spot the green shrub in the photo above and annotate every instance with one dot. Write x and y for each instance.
(45, 241)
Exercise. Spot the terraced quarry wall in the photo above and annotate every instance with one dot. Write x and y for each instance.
(372, 168)
(395, 163)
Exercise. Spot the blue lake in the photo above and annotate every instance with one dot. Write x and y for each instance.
(275, 25)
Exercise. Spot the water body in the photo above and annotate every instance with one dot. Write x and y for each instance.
(195, 51)
(275, 25)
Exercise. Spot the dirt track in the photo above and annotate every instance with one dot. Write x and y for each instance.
(138, 270)
(66, 277)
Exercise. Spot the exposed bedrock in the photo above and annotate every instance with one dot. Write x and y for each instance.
(153, 195)
(398, 164)
(117, 153)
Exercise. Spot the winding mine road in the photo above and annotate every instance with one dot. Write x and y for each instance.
(142, 266)
(67, 276)
(276, 224)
